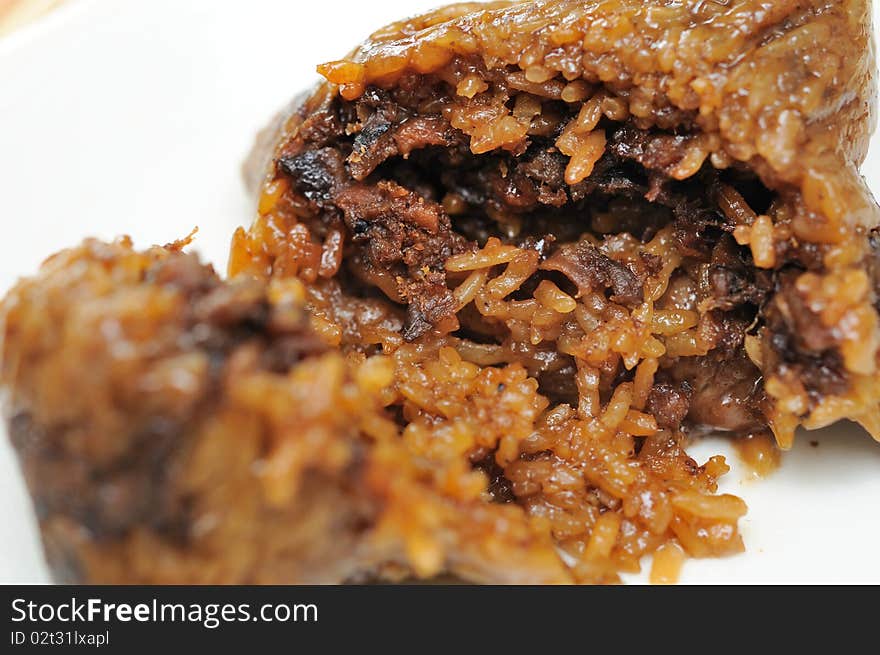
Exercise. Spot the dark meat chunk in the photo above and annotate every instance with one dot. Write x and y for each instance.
(669, 404)
(696, 228)
(546, 168)
(396, 233)
(796, 340)
(589, 269)
(798, 328)
(726, 392)
(390, 131)
(428, 308)
(372, 145)
(388, 203)
(315, 173)
(396, 230)
(731, 281)
(655, 151)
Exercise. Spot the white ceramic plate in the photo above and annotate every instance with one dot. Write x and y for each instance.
(132, 117)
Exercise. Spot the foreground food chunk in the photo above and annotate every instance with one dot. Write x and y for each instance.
(173, 427)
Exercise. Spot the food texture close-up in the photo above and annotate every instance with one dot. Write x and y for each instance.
(498, 285)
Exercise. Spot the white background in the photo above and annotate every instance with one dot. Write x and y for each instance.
(133, 116)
